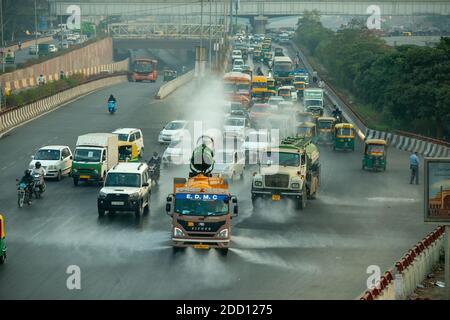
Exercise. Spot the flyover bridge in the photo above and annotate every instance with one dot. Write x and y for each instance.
(248, 8)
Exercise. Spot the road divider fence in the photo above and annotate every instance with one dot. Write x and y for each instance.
(400, 281)
(10, 118)
(169, 87)
(401, 140)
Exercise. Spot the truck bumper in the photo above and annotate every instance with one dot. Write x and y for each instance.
(86, 177)
(201, 242)
(268, 193)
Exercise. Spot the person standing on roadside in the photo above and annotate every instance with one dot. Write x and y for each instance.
(414, 167)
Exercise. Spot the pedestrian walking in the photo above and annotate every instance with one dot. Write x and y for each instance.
(414, 167)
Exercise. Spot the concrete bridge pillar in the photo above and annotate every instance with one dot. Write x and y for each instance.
(259, 24)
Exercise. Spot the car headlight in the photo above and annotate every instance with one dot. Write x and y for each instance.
(258, 183)
(223, 233)
(134, 196)
(295, 185)
(177, 232)
(102, 195)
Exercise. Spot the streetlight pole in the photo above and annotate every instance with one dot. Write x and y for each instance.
(3, 53)
(35, 25)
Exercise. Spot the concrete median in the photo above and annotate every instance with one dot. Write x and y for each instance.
(169, 87)
(14, 117)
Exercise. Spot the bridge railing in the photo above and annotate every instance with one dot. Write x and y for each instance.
(164, 30)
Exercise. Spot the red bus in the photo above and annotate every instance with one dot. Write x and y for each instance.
(144, 69)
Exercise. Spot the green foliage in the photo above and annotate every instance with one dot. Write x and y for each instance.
(50, 88)
(408, 87)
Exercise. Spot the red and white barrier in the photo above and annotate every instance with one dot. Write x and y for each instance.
(410, 270)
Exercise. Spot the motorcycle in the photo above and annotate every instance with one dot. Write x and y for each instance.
(39, 185)
(111, 107)
(153, 170)
(23, 195)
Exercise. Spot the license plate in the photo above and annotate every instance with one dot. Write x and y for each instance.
(85, 177)
(276, 197)
(201, 246)
(117, 203)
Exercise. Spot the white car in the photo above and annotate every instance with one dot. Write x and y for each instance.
(236, 54)
(238, 63)
(237, 69)
(127, 188)
(236, 126)
(177, 153)
(229, 164)
(56, 161)
(173, 129)
(132, 135)
(274, 101)
(64, 45)
(33, 50)
(52, 48)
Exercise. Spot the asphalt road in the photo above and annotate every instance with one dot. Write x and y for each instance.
(359, 219)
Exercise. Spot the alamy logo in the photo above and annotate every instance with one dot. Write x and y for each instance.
(374, 20)
(74, 20)
(73, 281)
(375, 274)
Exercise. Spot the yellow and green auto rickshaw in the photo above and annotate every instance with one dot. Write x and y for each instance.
(374, 154)
(169, 75)
(257, 55)
(325, 127)
(10, 57)
(300, 87)
(307, 130)
(2, 240)
(128, 152)
(268, 57)
(271, 85)
(344, 136)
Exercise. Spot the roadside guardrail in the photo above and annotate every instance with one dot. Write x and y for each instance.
(169, 87)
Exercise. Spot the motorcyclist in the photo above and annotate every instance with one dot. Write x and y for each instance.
(112, 99)
(337, 113)
(28, 180)
(155, 161)
(41, 172)
(259, 72)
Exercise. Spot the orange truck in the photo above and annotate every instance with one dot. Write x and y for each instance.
(143, 70)
(201, 206)
(238, 87)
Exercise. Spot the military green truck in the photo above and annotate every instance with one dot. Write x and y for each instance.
(288, 171)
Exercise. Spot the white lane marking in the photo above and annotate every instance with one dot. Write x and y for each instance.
(386, 199)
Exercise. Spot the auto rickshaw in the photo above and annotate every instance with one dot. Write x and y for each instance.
(10, 57)
(271, 84)
(169, 75)
(307, 130)
(287, 93)
(268, 56)
(300, 87)
(2, 240)
(128, 152)
(257, 55)
(374, 154)
(344, 136)
(325, 127)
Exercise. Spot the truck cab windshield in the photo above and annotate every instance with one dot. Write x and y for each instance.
(281, 158)
(87, 155)
(201, 207)
(313, 103)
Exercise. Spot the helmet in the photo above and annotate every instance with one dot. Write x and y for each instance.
(155, 154)
(37, 165)
(27, 172)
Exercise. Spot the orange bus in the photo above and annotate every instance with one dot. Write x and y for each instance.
(238, 87)
(144, 69)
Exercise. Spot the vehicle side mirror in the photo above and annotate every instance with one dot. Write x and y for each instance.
(169, 203)
(145, 184)
(71, 157)
(235, 211)
(32, 157)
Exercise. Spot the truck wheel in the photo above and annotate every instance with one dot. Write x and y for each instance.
(224, 252)
(101, 212)
(175, 250)
(301, 203)
(75, 182)
(147, 206)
